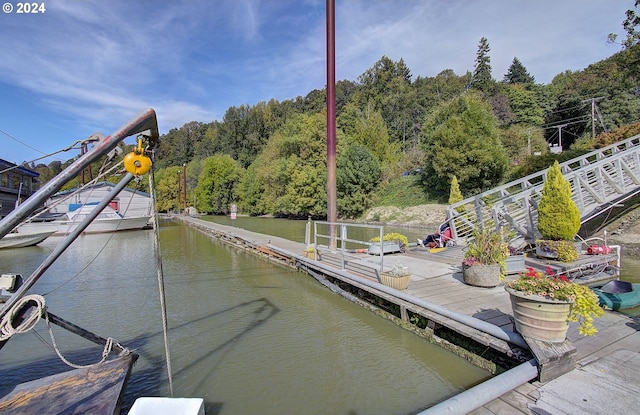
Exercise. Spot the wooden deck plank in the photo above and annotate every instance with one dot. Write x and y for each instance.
(95, 390)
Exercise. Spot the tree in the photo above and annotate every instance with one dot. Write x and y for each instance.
(358, 175)
(455, 195)
(482, 79)
(216, 184)
(517, 74)
(558, 215)
(460, 138)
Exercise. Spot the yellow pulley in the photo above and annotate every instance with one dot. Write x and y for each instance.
(136, 162)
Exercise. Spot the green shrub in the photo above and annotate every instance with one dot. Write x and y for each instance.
(558, 215)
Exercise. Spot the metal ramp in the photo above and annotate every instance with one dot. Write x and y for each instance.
(599, 180)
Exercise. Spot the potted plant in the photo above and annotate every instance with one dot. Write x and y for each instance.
(544, 303)
(558, 218)
(484, 258)
(398, 278)
(391, 242)
(514, 263)
(310, 252)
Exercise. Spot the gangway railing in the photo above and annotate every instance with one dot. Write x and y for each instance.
(599, 180)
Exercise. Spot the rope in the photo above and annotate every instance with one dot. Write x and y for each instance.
(105, 352)
(158, 253)
(6, 325)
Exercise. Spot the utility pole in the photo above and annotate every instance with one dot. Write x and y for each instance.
(331, 120)
(593, 114)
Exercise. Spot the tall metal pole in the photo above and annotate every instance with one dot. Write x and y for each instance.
(184, 183)
(179, 193)
(331, 118)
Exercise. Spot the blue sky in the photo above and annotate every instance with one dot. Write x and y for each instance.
(90, 65)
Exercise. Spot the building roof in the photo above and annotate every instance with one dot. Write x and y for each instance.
(22, 170)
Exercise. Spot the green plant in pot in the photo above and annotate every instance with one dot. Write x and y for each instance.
(398, 278)
(544, 303)
(402, 240)
(558, 218)
(483, 264)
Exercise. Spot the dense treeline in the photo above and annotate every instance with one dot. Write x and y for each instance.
(270, 158)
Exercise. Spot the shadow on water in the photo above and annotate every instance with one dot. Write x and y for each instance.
(149, 380)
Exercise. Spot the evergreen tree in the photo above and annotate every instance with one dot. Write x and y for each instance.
(455, 195)
(558, 215)
(517, 74)
(482, 79)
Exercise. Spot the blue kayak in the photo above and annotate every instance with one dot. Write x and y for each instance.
(618, 295)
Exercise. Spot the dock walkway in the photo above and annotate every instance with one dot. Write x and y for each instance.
(606, 378)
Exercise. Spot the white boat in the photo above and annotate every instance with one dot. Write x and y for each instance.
(20, 240)
(107, 221)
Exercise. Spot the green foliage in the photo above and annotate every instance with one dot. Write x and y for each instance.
(166, 182)
(518, 74)
(460, 138)
(524, 105)
(216, 184)
(558, 215)
(585, 304)
(455, 195)
(402, 191)
(357, 177)
(487, 246)
(482, 78)
(401, 239)
(520, 141)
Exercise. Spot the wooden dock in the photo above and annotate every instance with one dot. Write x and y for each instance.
(436, 278)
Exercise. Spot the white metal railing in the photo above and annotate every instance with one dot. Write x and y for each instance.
(337, 239)
(599, 180)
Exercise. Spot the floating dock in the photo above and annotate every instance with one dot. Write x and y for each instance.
(583, 375)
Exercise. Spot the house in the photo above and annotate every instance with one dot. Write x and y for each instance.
(16, 184)
(129, 202)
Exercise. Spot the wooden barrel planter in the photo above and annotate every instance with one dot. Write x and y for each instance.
(394, 281)
(480, 275)
(538, 317)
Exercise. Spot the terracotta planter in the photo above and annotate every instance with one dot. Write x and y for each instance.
(481, 275)
(538, 317)
(399, 283)
(310, 255)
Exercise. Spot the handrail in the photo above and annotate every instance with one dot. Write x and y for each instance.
(598, 180)
(342, 238)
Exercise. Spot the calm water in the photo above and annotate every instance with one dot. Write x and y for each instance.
(248, 336)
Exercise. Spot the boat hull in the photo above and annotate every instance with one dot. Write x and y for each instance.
(62, 227)
(21, 240)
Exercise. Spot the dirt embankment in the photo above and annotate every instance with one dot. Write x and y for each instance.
(624, 232)
(423, 216)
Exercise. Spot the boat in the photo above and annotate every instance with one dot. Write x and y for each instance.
(97, 388)
(108, 220)
(618, 295)
(21, 240)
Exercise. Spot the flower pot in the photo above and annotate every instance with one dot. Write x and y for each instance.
(393, 281)
(310, 255)
(538, 317)
(515, 264)
(480, 275)
(545, 251)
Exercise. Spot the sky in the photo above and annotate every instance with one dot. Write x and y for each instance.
(85, 66)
